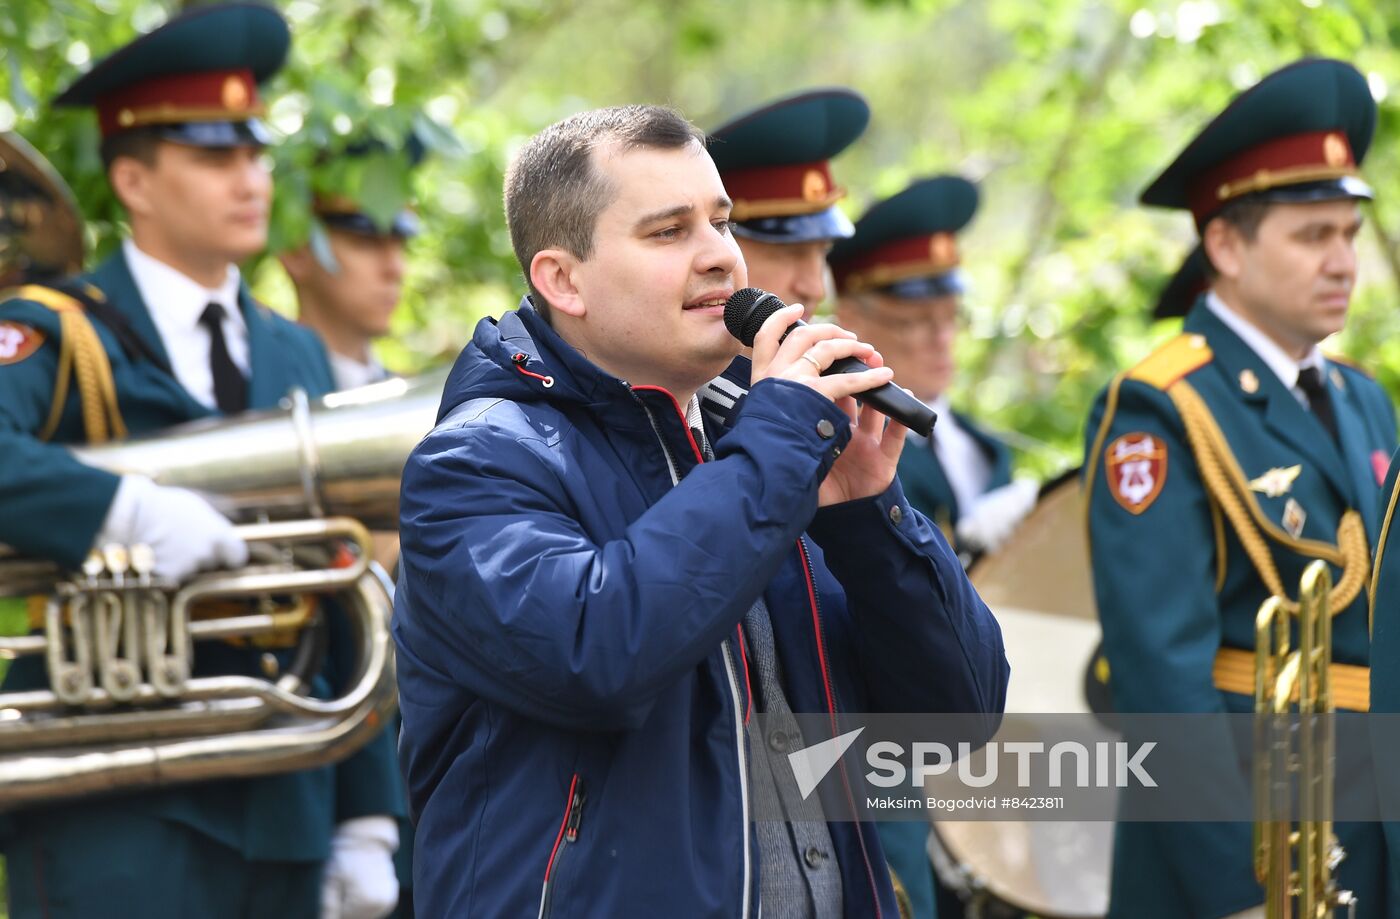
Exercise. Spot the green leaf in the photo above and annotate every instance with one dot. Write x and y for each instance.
(384, 189)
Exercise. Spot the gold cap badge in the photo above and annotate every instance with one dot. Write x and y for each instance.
(235, 94)
(1334, 150)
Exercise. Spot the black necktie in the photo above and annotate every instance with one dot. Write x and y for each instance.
(1310, 382)
(230, 389)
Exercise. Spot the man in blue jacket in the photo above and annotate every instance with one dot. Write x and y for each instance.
(598, 590)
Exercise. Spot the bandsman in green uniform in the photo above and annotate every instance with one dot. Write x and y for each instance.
(899, 287)
(775, 162)
(170, 333)
(349, 286)
(1234, 455)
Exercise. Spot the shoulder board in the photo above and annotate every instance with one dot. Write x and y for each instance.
(52, 297)
(1172, 361)
(1348, 363)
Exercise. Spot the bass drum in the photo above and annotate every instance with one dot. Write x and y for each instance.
(1038, 585)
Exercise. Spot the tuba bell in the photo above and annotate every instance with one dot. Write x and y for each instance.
(123, 710)
(41, 230)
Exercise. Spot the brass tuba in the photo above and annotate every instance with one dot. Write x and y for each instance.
(122, 709)
(41, 231)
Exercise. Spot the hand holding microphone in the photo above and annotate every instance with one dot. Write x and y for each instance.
(832, 352)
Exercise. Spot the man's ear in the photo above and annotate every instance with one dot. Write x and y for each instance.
(131, 181)
(297, 263)
(552, 274)
(1224, 246)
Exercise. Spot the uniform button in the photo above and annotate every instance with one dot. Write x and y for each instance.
(814, 857)
(778, 741)
(896, 515)
(826, 429)
(270, 667)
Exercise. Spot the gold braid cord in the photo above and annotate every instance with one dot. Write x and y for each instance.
(81, 357)
(1229, 489)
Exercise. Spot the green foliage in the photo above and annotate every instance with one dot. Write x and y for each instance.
(1063, 110)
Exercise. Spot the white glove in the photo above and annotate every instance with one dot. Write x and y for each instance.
(359, 882)
(995, 515)
(1254, 912)
(183, 531)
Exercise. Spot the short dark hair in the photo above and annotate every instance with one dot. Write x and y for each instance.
(1245, 215)
(553, 194)
(138, 143)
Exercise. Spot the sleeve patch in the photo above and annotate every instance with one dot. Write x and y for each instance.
(1135, 469)
(17, 342)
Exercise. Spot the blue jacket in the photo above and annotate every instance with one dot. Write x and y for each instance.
(573, 711)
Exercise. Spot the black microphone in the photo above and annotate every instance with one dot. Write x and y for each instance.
(748, 309)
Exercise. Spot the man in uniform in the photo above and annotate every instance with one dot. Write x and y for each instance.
(774, 162)
(348, 290)
(1233, 456)
(169, 332)
(899, 287)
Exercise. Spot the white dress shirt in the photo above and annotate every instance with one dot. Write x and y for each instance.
(1284, 366)
(176, 302)
(962, 458)
(350, 373)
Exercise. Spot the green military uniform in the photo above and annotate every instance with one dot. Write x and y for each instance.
(225, 848)
(926, 482)
(1211, 486)
(1385, 646)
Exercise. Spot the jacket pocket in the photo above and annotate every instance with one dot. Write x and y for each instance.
(563, 842)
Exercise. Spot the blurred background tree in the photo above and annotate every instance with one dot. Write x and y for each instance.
(1063, 110)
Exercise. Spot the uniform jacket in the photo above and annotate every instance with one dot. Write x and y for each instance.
(1385, 646)
(925, 482)
(573, 706)
(54, 507)
(1174, 585)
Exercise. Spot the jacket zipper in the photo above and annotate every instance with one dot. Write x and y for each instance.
(728, 654)
(831, 705)
(567, 835)
(743, 767)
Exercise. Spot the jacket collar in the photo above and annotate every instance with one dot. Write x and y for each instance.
(269, 374)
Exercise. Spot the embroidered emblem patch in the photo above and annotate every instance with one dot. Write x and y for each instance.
(1294, 517)
(18, 342)
(1277, 481)
(1136, 467)
(1380, 465)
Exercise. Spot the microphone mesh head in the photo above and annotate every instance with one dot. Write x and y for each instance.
(747, 310)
